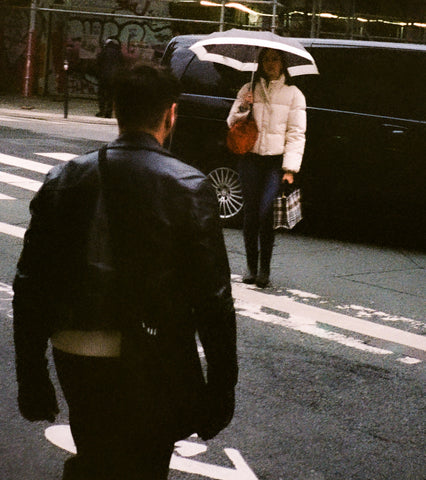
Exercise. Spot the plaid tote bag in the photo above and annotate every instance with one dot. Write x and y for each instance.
(287, 210)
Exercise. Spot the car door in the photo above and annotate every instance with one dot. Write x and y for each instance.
(366, 131)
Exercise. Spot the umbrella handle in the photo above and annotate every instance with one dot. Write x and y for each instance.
(251, 81)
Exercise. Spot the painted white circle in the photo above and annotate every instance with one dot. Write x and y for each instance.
(61, 436)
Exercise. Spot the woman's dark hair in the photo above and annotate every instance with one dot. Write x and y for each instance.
(260, 73)
(142, 95)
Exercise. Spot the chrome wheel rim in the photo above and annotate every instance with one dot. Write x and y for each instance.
(226, 183)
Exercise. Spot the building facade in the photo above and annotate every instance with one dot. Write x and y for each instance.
(38, 36)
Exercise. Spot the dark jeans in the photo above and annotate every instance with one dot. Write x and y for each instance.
(260, 180)
(113, 429)
(105, 94)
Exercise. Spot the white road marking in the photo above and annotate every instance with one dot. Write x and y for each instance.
(25, 164)
(241, 470)
(12, 230)
(364, 312)
(27, 119)
(6, 197)
(60, 435)
(189, 449)
(64, 157)
(307, 314)
(21, 182)
(301, 294)
(305, 325)
(409, 360)
(6, 289)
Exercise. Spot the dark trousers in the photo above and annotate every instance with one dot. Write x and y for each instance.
(114, 431)
(260, 178)
(105, 94)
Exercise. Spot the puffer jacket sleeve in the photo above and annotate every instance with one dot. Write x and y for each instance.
(294, 144)
(235, 114)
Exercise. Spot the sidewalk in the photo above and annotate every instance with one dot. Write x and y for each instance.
(52, 108)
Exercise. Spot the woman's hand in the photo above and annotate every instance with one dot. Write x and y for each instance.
(288, 177)
(247, 100)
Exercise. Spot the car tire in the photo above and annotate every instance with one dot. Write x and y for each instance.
(226, 182)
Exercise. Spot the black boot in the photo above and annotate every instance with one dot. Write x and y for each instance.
(252, 259)
(262, 280)
(249, 277)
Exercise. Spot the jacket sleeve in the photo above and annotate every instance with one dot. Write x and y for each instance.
(30, 304)
(294, 143)
(213, 302)
(235, 114)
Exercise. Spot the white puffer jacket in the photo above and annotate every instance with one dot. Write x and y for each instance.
(280, 114)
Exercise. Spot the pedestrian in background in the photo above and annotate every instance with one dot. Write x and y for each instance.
(279, 110)
(108, 61)
(132, 377)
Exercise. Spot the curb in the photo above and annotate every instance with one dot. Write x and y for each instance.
(56, 117)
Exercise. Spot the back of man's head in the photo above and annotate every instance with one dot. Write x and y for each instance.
(142, 95)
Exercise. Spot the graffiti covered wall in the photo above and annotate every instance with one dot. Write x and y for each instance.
(85, 34)
(78, 37)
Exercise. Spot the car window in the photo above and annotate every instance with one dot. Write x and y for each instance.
(207, 78)
(376, 81)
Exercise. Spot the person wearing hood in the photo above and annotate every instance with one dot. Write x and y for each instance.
(109, 60)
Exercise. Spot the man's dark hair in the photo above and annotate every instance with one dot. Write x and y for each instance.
(142, 95)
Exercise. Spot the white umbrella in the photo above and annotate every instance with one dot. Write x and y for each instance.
(238, 49)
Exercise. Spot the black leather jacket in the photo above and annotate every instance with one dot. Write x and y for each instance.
(169, 250)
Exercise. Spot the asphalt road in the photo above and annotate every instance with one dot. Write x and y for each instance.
(331, 355)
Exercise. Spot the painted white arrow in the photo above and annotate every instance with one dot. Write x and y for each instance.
(241, 471)
(60, 435)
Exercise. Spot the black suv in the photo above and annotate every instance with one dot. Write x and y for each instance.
(366, 135)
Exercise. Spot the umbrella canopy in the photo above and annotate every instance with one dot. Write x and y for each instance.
(239, 49)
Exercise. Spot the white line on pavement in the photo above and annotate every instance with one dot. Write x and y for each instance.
(64, 157)
(20, 182)
(304, 325)
(12, 230)
(307, 313)
(6, 197)
(25, 164)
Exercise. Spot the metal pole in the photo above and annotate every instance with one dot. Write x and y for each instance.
(274, 16)
(29, 61)
(314, 5)
(222, 16)
(319, 19)
(47, 60)
(66, 97)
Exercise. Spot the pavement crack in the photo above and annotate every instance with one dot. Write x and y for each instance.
(379, 272)
(412, 260)
(380, 287)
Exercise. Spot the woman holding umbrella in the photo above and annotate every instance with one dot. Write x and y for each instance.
(279, 110)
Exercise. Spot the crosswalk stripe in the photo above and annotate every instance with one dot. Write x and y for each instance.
(25, 164)
(64, 157)
(318, 315)
(6, 197)
(12, 230)
(21, 182)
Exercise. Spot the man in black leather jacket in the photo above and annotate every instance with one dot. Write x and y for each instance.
(132, 377)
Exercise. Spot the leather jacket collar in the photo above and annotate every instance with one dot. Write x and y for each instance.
(138, 141)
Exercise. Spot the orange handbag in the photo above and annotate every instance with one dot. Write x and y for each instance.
(242, 135)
